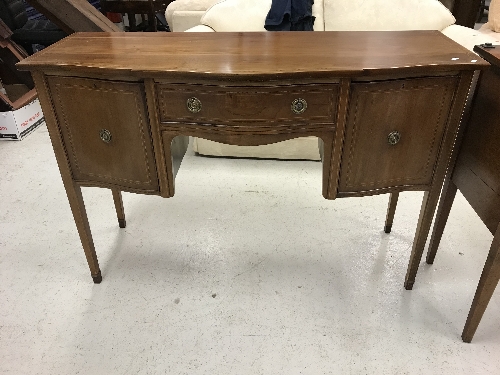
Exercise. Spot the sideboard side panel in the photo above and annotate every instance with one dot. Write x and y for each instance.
(123, 156)
(73, 191)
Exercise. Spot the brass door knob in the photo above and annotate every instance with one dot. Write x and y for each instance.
(193, 105)
(299, 106)
(105, 135)
(393, 137)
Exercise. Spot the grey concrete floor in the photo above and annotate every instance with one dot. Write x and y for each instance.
(247, 270)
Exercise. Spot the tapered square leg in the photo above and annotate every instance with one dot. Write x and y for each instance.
(120, 212)
(73, 190)
(391, 210)
(486, 287)
(429, 204)
(82, 224)
(445, 203)
(97, 278)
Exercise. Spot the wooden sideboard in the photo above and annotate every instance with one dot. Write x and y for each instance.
(476, 174)
(386, 107)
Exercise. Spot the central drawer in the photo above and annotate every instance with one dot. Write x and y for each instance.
(258, 105)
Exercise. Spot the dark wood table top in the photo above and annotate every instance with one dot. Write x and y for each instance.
(490, 54)
(307, 54)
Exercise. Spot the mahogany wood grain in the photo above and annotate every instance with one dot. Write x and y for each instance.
(431, 196)
(73, 190)
(476, 173)
(161, 164)
(265, 56)
(487, 284)
(264, 105)
(86, 108)
(480, 152)
(358, 86)
(391, 210)
(382, 108)
(445, 203)
(331, 175)
(175, 147)
(482, 197)
(120, 212)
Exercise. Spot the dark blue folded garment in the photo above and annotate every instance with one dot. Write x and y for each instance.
(290, 15)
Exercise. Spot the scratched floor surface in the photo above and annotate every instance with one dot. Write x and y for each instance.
(247, 270)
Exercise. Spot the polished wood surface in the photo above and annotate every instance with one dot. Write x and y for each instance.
(487, 284)
(476, 174)
(391, 211)
(253, 106)
(119, 109)
(73, 189)
(380, 108)
(120, 212)
(276, 55)
(87, 106)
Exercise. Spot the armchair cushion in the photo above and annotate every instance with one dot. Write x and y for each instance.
(200, 29)
(386, 15)
(237, 15)
(187, 13)
(469, 37)
(494, 16)
(182, 20)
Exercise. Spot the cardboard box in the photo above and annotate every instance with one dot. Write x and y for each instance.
(19, 123)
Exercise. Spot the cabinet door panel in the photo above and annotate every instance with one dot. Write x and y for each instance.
(106, 132)
(394, 131)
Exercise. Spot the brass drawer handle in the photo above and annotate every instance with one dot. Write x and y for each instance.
(105, 135)
(393, 137)
(193, 105)
(299, 106)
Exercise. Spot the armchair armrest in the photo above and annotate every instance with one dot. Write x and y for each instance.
(200, 29)
(181, 20)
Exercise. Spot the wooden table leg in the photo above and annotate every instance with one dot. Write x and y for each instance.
(486, 287)
(120, 212)
(73, 191)
(391, 210)
(447, 198)
(82, 225)
(429, 204)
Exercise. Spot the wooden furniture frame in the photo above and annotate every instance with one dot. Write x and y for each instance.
(476, 174)
(74, 15)
(11, 53)
(149, 7)
(386, 107)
